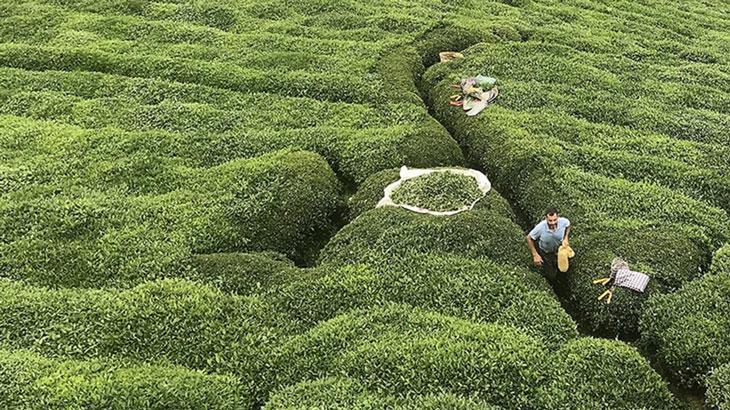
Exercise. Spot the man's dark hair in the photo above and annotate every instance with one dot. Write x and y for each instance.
(551, 211)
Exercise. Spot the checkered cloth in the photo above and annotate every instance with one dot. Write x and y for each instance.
(626, 278)
(630, 279)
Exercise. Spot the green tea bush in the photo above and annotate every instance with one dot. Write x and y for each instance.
(426, 145)
(31, 381)
(190, 117)
(378, 350)
(699, 183)
(400, 69)
(97, 87)
(718, 388)
(478, 290)
(588, 197)
(403, 351)
(566, 131)
(721, 260)
(640, 162)
(324, 86)
(596, 373)
(371, 191)
(243, 273)
(438, 191)
(339, 392)
(328, 393)
(281, 201)
(45, 152)
(667, 255)
(382, 234)
(687, 331)
(527, 171)
(181, 322)
(567, 80)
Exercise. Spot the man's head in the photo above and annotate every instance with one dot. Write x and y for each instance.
(551, 216)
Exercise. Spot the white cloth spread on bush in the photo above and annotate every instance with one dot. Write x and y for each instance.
(626, 278)
(405, 174)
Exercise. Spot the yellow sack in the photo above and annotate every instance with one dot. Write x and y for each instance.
(564, 252)
(445, 56)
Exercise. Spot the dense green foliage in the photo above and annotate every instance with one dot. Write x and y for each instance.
(438, 191)
(689, 331)
(167, 148)
(344, 393)
(243, 273)
(281, 201)
(721, 260)
(666, 254)
(371, 191)
(173, 320)
(718, 388)
(387, 232)
(400, 350)
(592, 373)
(403, 351)
(31, 381)
(479, 290)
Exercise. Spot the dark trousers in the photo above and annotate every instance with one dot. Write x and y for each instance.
(549, 268)
(558, 280)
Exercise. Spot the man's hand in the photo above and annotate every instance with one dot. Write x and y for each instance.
(537, 259)
(565, 242)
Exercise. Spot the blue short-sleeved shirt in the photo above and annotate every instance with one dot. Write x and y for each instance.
(549, 241)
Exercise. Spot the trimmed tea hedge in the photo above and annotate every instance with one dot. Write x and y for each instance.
(183, 323)
(403, 351)
(31, 381)
(324, 86)
(586, 197)
(694, 169)
(371, 191)
(721, 260)
(718, 388)
(574, 82)
(689, 331)
(554, 134)
(478, 290)
(531, 173)
(45, 152)
(592, 373)
(243, 273)
(383, 234)
(345, 393)
(668, 255)
(282, 202)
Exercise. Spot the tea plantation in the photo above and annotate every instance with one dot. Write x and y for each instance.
(188, 195)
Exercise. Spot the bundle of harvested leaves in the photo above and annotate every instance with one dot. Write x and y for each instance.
(438, 191)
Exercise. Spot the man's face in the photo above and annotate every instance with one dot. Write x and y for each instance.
(552, 221)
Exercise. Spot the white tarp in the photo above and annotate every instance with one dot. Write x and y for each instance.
(409, 173)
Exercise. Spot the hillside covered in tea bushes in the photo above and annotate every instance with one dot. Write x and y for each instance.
(188, 197)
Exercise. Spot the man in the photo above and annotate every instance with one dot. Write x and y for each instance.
(549, 234)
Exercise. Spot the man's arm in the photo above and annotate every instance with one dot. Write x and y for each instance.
(536, 258)
(566, 235)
